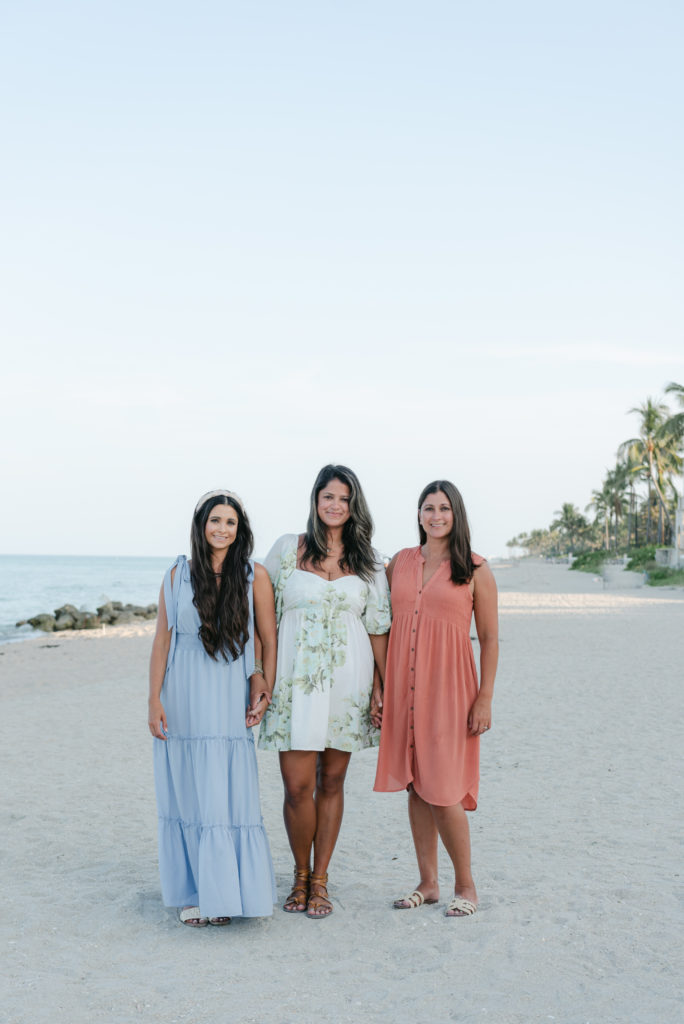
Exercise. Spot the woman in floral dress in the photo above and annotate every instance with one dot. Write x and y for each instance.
(333, 613)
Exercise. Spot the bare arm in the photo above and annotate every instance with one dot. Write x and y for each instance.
(390, 569)
(261, 683)
(160, 651)
(380, 655)
(487, 627)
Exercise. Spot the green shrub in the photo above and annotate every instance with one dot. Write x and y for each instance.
(639, 558)
(662, 576)
(590, 561)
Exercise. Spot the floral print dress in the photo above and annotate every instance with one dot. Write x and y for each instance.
(324, 678)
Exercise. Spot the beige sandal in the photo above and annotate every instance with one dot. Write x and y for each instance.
(191, 917)
(299, 894)
(411, 901)
(460, 907)
(318, 901)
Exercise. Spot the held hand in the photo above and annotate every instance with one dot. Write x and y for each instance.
(480, 717)
(376, 706)
(156, 719)
(259, 700)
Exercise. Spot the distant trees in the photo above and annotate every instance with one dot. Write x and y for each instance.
(637, 499)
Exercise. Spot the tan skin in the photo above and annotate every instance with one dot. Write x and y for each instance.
(314, 780)
(221, 531)
(430, 821)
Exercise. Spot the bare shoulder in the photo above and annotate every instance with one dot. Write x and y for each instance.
(262, 581)
(483, 578)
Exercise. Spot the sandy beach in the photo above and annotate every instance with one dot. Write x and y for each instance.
(576, 843)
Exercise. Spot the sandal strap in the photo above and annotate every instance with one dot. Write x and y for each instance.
(300, 887)
(191, 914)
(321, 882)
(461, 904)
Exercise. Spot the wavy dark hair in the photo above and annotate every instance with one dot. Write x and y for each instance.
(223, 609)
(357, 532)
(462, 565)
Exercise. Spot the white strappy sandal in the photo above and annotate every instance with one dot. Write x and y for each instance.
(462, 906)
(411, 901)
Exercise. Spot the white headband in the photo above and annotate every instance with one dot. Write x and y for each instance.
(218, 494)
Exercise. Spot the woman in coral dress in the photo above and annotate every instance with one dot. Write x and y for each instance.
(433, 711)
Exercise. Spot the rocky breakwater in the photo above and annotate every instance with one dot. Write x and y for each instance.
(113, 613)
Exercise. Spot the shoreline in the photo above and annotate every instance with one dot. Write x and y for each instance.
(510, 574)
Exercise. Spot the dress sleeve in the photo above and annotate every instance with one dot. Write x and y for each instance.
(280, 563)
(377, 615)
(171, 600)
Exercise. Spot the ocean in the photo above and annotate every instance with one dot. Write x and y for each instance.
(30, 584)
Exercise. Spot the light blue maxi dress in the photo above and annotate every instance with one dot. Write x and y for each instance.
(213, 848)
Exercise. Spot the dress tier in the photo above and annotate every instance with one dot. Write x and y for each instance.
(324, 677)
(430, 685)
(213, 849)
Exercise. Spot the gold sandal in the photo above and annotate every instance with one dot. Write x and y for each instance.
(318, 901)
(299, 894)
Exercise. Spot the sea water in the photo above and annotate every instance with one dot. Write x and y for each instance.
(31, 584)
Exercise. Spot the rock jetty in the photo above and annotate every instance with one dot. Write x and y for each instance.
(113, 613)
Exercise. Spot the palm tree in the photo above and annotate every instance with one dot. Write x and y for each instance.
(571, 524)
(616, 484)
(676, 421)
(600, 502)
(654, 457)
(611, 502)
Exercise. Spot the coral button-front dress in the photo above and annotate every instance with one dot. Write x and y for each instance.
(430, 686)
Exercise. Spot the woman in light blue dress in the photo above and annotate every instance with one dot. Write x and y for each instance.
(206, 694)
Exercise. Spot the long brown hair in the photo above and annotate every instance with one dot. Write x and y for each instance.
(357, 532)
(462, 565)
(223, 610)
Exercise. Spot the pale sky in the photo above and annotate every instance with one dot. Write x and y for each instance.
(244, 239)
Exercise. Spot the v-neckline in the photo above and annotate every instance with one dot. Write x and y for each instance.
(423, 582)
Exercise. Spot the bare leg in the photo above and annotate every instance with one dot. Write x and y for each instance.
(330, 775)
(298, 769)
(424, 831)
(454, 832)
(331, 772)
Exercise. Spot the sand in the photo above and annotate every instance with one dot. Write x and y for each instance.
(576, 844)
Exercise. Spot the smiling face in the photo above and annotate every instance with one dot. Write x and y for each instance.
(221, 529)
(436, 516)
(333, 504)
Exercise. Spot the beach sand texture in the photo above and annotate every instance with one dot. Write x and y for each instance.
(576, 844)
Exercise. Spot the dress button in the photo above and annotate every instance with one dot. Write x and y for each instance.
(416, 612)
(412, 669)
(410, 727)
